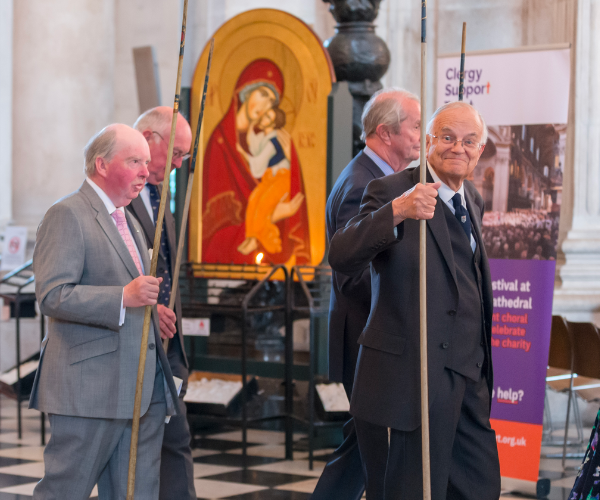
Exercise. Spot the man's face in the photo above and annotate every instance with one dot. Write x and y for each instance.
(406, 143)
(454, 162)
(159, 148)
(125, 175)
(259, 101)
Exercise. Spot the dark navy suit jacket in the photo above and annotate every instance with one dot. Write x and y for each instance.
(387, 389)
(350, 296)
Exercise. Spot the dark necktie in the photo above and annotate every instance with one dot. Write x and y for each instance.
(462, 215)
(164, 293)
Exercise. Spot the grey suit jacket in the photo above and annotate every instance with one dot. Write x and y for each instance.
(138, 209)
(88, 365)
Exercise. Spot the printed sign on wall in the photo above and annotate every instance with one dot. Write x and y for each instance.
(15, 245)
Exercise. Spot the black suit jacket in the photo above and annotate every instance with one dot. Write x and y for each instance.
(387, 385)
(138, 209)
(350, 301)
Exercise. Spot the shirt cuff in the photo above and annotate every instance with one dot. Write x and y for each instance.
(396, 232)
(123, 309)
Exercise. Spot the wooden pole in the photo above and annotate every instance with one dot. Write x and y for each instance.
(461, 86)
(188, 193)
(135, 425)
(423, 272)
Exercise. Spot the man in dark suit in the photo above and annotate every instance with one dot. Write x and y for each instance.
(386, 394)
(391, 130)
(176, 468)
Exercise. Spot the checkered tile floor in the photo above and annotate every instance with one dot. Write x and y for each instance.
(218, 469)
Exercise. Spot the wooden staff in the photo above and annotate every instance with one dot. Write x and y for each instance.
(461, 86)
(423, 272)
(135, 425)
(188, 194)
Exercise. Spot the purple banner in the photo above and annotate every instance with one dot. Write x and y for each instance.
(523, 291)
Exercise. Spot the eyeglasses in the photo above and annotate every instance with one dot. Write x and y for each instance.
(176, 154)
(449, 140)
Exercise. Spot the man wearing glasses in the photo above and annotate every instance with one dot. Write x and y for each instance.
(385, 234)
(176, 468)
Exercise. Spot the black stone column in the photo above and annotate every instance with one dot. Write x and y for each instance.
(359, 56)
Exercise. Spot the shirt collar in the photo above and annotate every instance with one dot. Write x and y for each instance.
(110, 206)
(382, 164)
(445, 192)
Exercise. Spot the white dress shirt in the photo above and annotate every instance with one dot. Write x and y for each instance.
(446, 193)
(380, 162)
(110, 207)
(145, 196)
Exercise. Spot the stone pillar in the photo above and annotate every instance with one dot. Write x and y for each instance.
(62, 94)
(501, 178)
(204, 18)
(152, 22)
(359, 56)
(6, 77)
(501, 169)
(324, 24)
(578, 292)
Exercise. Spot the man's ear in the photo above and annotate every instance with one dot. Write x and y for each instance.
(147, 134)
(481, 151)
(101, 167)
(383, 133)
(428, 143)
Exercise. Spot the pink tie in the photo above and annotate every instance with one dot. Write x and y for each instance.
(122, 227)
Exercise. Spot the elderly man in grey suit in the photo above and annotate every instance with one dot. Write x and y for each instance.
(89, 262)
(176, 464)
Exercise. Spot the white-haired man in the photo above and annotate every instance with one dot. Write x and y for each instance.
(90, 261)
(391, 130)
(176, 468)
(385, 234)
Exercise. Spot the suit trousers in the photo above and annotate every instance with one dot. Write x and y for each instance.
(344, 476)
(85, 451)
(176, 466)
(464, 456)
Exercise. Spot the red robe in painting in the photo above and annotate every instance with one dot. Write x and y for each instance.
(227, 184)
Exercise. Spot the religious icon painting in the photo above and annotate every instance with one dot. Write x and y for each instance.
(261, 189)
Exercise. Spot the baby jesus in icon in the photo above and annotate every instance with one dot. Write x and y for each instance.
(269, 160)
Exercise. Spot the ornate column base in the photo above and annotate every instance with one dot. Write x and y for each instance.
(358, 55)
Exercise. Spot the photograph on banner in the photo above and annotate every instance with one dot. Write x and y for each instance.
(520, 177)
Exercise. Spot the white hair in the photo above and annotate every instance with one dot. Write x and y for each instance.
(457, 105)
(154, 119)
(385, 107)
(101, 145)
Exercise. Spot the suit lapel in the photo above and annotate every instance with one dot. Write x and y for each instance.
(139, 209)
(438, 227)
(110, 229)
(475, 214)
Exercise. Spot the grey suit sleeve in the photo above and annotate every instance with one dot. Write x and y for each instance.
(369, 233)
(58, 263)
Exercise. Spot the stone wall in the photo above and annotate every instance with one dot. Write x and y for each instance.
(72, 73)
